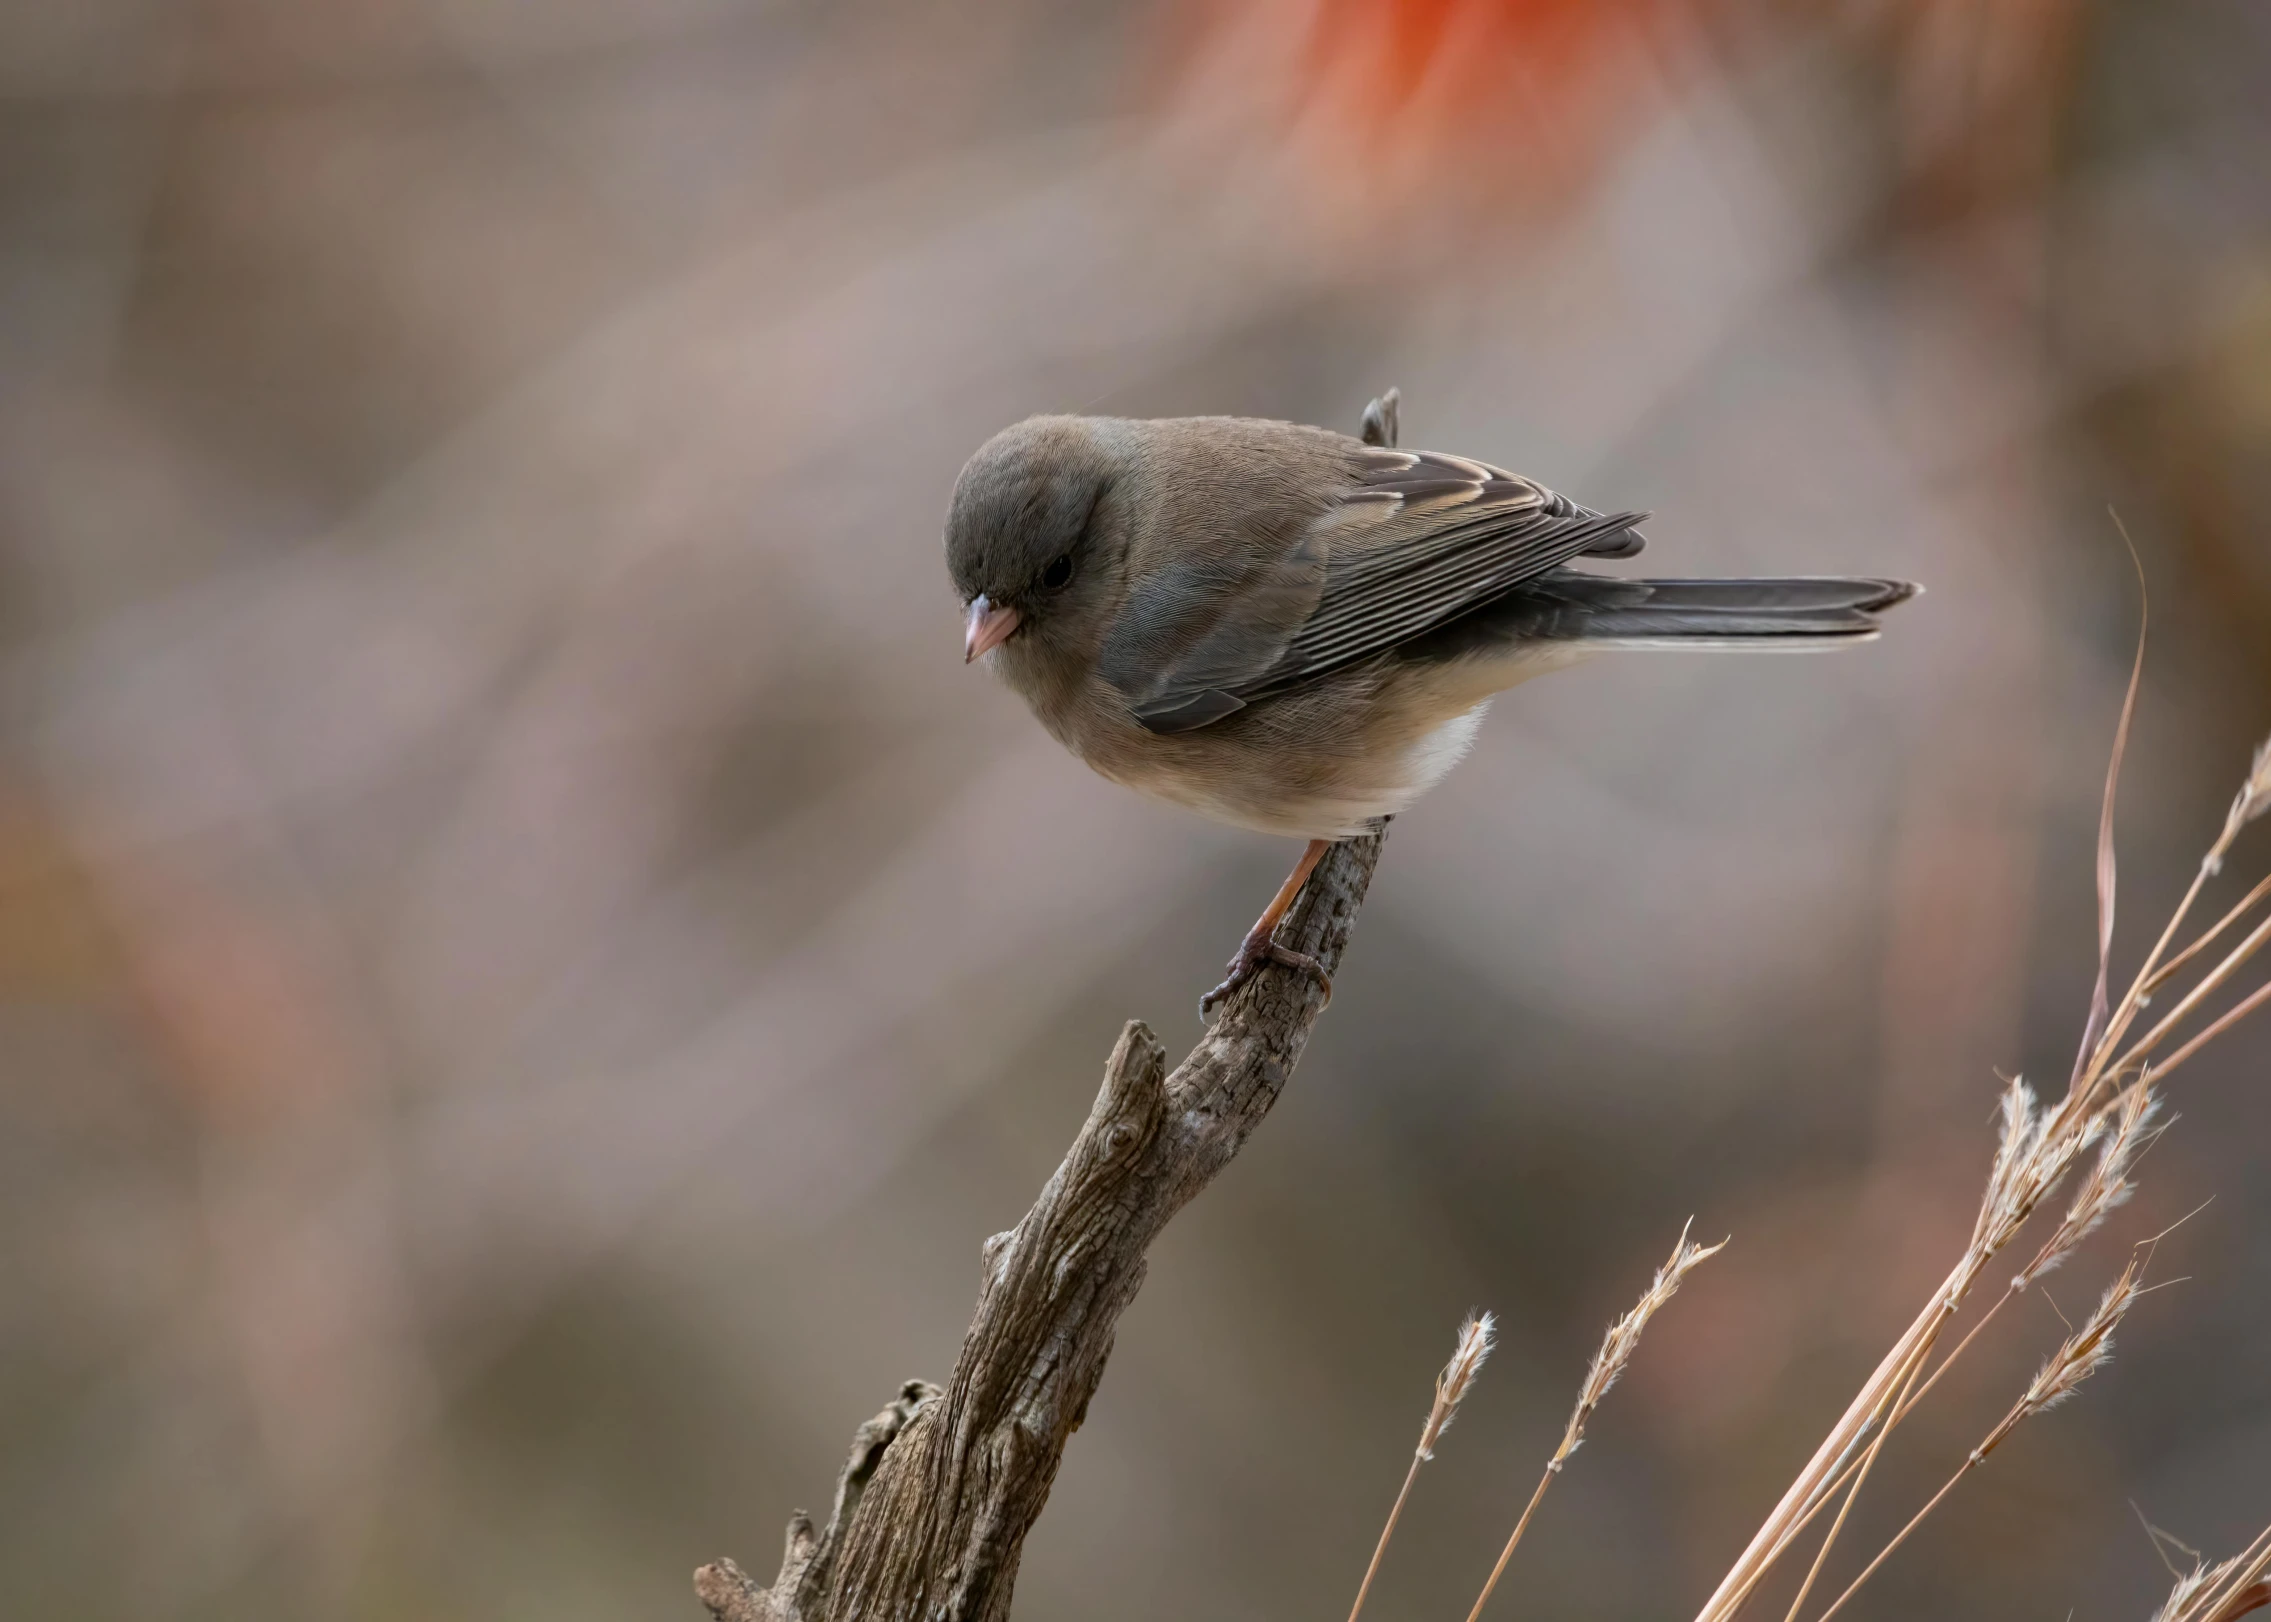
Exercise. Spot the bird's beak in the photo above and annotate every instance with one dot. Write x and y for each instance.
(989, 627)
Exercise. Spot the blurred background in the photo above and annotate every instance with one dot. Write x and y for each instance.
(528, 968)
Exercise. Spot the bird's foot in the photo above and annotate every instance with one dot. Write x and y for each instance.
(1255, 951)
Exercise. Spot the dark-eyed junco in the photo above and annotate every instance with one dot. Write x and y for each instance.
(1295, 631)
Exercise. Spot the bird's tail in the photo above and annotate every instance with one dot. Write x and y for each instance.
(1759, 614)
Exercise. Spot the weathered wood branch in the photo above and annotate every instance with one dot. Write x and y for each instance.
(942, 1487)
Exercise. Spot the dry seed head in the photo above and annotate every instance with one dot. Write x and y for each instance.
(2178, 1607)
(1475, 1339)
(2031, 1156)
(2018, 1132)
(1618, 1345)
(2086, 1350)
(2019, 1124)
(2254, 797)
(2107, 1185)
(2222, 1592)
(1476, 1336)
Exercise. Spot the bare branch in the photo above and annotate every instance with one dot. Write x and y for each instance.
(943, 1486)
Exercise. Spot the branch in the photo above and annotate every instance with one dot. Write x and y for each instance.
(942, 1487)
(733, 1595)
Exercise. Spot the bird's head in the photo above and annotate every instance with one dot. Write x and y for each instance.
(1033, 541)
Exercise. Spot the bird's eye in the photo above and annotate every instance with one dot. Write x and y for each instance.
(1057, 575)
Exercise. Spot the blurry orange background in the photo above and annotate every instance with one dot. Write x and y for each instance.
(528, 969)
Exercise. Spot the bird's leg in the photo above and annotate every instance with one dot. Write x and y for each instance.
(1382, 426)
(1260, 945)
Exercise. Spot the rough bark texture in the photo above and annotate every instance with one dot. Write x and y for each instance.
(941, 1488)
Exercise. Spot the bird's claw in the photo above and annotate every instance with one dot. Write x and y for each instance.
(1253, 953)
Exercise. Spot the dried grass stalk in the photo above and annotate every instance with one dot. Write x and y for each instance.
(2222, 1592)
(1476, 1336)
(2079, 1356)
(2082, 1354)
(1608, 1366)
(2035, 1149)
(1623, 1339)
(2110, 1102)
(2254, 797)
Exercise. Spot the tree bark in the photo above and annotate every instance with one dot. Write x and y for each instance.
(941, 1488)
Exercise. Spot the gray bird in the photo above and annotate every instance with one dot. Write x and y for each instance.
(1295, 631)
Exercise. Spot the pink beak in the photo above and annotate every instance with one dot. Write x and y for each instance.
(989, 628)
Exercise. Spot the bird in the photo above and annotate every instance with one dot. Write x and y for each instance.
(1297, 631)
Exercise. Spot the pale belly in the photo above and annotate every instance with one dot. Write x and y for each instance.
(1322, 763)
(1383, 785)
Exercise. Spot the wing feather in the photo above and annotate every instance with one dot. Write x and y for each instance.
(1417, 539)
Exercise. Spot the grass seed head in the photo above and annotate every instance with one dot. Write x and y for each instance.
(2189, 1588)
(2033, 1153)
(1476, 1336)
(2254, 797)
(1623, 1338)
(2107, 1185)
(2087, 1349)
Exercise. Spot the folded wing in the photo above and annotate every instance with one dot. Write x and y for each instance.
(1416, 540)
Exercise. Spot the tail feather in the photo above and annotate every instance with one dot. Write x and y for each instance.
(1790, 593)
(1570, 606)
(1648, 612)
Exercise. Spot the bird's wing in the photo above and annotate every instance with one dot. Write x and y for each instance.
(1205, 625)
(1423, 538)
(1414, 539)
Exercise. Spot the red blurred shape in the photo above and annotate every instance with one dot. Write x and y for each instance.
(1407, 101)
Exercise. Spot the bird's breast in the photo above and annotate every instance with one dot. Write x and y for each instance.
(1322, 763)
